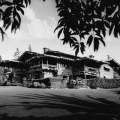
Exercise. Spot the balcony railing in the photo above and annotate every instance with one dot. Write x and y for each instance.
(37, 66)
(43, 66)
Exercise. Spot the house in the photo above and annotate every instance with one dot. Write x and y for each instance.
(50, 63)
(115, 67)
(57, 64)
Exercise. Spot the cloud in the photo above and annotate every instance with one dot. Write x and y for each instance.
(34, 28)
(37, 28)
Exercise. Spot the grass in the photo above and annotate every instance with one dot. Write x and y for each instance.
(20, 103)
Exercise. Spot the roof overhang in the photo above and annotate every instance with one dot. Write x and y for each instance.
(13, 64)
(91, 62)
(26, 55)
(114, 63)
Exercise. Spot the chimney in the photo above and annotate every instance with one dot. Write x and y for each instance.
(108, 57)
(46, 50)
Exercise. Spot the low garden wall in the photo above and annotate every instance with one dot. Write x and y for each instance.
(103, 83)
(55, 82)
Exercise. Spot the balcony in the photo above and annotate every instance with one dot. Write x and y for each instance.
(43, 66)
(37, 66)
(78, 72)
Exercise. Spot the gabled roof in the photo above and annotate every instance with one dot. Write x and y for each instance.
(13, 64)
(90, 61)
(87, 59)
(113, 63)
(61, 54)
(50, 56)
(26, 55)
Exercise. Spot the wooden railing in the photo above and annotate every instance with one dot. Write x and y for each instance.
(44, 66)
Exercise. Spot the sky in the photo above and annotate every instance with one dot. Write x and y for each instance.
(37, 29)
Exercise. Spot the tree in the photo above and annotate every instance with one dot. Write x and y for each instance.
(29, 48)
(92, 18)
(11, 15)
(78, 19)
(17, 54)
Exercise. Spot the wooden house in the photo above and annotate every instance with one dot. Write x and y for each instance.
(57, 64)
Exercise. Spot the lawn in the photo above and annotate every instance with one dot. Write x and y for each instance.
(58, 104)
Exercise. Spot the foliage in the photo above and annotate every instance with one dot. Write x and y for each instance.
(103, 83)
(39, 85)
(91, 18)
(77, 83)
(10, 14)
(79, 20)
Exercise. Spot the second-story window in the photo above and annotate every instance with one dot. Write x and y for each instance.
(36, 62)
(44, 61)
(32, 63)
(52, 62)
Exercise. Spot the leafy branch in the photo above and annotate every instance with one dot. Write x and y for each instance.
(92, 18)
(11, 15)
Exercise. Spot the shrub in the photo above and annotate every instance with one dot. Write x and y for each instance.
(42, 85)
(103, 83)
(77, 83)
(36, 84)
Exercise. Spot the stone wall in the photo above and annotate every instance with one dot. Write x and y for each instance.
(55, 82)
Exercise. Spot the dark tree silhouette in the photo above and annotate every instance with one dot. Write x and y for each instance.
(78, 19)
(11, 15)
(92, 18)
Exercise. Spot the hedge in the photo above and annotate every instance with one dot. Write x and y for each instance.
(103, 83)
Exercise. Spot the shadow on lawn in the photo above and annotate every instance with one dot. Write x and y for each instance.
(79, 108)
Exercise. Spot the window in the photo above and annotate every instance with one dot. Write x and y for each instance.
(52, 62)
(37, 76)
(106, 69)
(44, 61)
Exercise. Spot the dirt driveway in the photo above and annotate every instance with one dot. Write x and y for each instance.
(60, 104)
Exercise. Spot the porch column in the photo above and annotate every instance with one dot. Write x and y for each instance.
(39, 62)
(84, 72)
(47, 64)
(42, 63)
